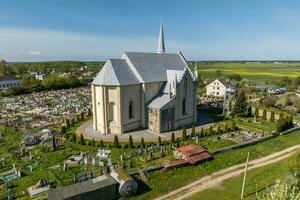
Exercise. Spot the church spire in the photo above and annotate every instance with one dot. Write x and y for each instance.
(161, 41)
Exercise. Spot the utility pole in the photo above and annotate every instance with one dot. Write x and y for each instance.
(245, 176)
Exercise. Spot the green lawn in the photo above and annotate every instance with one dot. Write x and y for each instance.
(163, 182)
(257, 72)
(257, 181)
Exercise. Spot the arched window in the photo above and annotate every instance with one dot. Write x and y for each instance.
(183, 107)
(130, 110)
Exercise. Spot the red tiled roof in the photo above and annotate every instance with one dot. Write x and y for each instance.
(194, 153)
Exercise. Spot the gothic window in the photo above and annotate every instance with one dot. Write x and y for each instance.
(130, 110)
(183, 107)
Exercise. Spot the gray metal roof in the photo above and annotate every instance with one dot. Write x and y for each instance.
(151, 67)
(69, 191)
(160, 101)
(115, 72)
(8, 78)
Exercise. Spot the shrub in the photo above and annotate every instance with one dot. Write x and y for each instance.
(172, 138)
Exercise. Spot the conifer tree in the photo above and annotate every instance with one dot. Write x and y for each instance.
(116, 142)
(130, 143)
(67, 123)
(211, 131)
(142, 143)
(82, 142)
(272, 116)
(202, 133)
(241, 104)
(193, 134)
(184, 134)
(101, 144)
(264, 117)
(159, 141)
(172, 138)
(63, 130)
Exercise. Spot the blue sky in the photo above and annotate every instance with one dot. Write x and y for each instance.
(97, 30)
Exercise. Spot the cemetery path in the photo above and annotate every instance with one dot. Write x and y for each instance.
(217, 178)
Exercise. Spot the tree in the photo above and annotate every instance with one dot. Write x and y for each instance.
(272, 116)
(235, 77)
(172, 138)
(63, 130)
(193, 134)
(89, 113)
(93, 142)
(116, 142)
(256, 112)
(74, 138)
(67, 123)
(184, 134)
(101, 144)
(226, 128)
(142, 143)
(264, 117)
(202, 133)
(211, 131)
(53, 142)
(219, 130)
(82, 141)
(159, 141)
(82, 116)
(233, 127)
(130, 143)
(241, 104)
(73, 122)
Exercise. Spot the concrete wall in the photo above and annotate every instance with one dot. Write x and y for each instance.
(261, 113)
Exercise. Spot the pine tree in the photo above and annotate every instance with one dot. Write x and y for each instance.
(219, 130)
(74, 138)
(130, 143)
(159, 141)
(272, 117)
(211, 131)
(82, 116)
(93, 142)
(172, 138)
(202, 133)
(89, 113)
(226, 128)
(233, 127)
(193, 134)
(63, 130)
(82, 142)
(101, 144)
(116, 142)
(142, 143)
(183, 134)
(73, 121)
(67, 123)
(256, 112)
(241, 104)
(264, 117)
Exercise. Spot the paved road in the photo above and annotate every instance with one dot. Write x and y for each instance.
(218, 177)
(86, 129)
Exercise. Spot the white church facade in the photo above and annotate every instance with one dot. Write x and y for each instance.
(155, 91)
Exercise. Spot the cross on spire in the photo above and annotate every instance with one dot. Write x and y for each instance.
(161, 41)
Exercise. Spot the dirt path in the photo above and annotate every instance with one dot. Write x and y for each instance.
(218, 177)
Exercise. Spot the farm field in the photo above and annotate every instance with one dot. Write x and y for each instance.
(256, 72)
(257, 182)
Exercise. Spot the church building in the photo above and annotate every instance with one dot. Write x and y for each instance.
(155, 91)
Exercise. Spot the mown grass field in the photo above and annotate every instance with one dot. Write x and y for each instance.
(257, 181)
(256, 72)
(164, 182)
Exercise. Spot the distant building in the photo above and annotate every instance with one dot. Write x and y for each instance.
(9, 81)
(220, 88)
(39, 75)
(144, 90)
